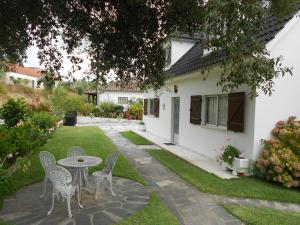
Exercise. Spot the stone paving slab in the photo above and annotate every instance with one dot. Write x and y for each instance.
(190, 206)
(26, 207)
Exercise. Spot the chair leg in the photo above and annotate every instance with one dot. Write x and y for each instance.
(52, 206)
(69, 206)
(110, 185)
(45, 186)
(97, 188)
(78, 198)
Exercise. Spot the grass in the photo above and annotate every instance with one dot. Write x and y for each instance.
(262, 216)
(246, 187)
(92, 139)
(154, 213)
(135, 138)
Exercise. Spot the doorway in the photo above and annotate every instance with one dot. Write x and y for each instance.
(175, 119)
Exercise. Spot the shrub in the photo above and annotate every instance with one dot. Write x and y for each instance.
(26, 138)
(96, 112)
(86, 109)
(63, 101)
(280, 161)
(43, 120)
(135, 111)
(110, 109)
(5, 144)
(41, 107)
(14, 111)
(230, 152)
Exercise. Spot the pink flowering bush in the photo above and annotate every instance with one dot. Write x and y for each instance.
(280, 160)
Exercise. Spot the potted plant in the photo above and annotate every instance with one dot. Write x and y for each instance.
(227, 157)
(142, 126)
(240, 163)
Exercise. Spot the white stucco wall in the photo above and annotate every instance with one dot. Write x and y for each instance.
(17, 76)
(284, 101)
(198, 138)
(179, 48)
(112, 96)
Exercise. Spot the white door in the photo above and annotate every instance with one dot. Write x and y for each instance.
(175, 122)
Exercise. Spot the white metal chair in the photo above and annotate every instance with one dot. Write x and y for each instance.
(61, 180)
(75, 151)
(78, 151)
(48, 162)
(106, 173)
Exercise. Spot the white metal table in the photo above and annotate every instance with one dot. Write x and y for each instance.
(80, 163)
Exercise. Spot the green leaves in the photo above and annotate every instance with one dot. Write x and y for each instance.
(128, 36)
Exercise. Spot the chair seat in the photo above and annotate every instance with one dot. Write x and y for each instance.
(100, 174)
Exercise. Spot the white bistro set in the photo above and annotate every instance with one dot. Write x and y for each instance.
(69, 176)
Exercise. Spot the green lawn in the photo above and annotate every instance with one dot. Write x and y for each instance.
(263, 216)
(155, 213)
(247, 187)
(92, 139)
(135, 138)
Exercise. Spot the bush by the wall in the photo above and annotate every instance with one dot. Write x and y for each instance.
(14, 111)
(110, 110)
(280, 160)
(135, 111)
(43, 120)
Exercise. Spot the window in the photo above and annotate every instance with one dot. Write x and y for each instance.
(122, 100)
(32, 83)
(168, 54)
(153, 107)
(11, 78)
(216, 110)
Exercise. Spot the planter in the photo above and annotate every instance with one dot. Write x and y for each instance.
(240, 164)
(143, 127)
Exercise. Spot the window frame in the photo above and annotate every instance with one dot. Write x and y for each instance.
(217, 125)
(122, 102)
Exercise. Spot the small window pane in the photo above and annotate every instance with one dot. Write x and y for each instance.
(168, 54)
(122, 100)
(223, 109)
(212, 110)
(151, 106)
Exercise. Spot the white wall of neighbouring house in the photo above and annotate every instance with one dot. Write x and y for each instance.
(179, 48)
(199, 138)
(31, 81)
(284, 101)
(112, 96)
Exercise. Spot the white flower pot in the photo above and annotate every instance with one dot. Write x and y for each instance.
(143, 127)
(239, 164)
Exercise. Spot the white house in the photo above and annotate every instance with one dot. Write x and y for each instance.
(119, 94)
(26, 75)
(195, 114)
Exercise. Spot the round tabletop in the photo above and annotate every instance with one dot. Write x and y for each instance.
(80, 161)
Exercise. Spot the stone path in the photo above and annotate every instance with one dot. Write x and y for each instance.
(190, 206)
(25, 207)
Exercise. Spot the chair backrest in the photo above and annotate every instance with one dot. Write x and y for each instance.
(60, 178)
(48, 161)
(75, 151)
(110, 161)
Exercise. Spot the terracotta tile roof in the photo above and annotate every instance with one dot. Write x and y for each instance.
(114, 86)
(30, 71)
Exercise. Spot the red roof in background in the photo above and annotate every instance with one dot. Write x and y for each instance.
(30, 71)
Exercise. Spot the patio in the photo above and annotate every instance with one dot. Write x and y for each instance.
(26, 207)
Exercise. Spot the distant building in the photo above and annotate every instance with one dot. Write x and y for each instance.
(113, 92)
(26, 75)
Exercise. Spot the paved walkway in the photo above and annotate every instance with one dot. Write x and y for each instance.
(190, 206)
(26, 207)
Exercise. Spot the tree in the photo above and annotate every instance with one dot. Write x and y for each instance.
(127, 35)
(48, 80)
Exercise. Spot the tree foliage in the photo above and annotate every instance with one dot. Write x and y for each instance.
(127, 36)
